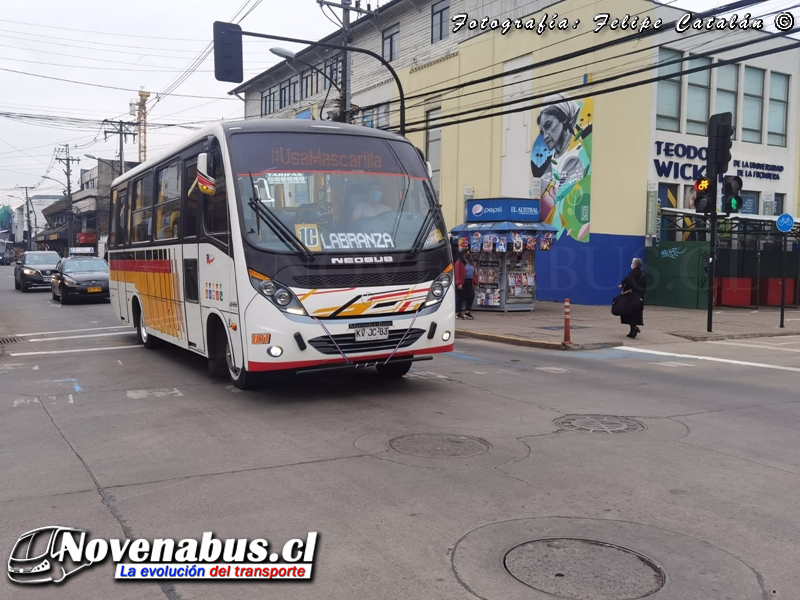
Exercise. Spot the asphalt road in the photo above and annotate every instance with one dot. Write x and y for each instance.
(103, 435)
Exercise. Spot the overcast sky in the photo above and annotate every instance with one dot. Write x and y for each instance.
(146, 44)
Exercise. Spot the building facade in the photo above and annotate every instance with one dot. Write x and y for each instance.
(577, 133)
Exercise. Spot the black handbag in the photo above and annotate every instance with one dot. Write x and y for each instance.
(623, 305)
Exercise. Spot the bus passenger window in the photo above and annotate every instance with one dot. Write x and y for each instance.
(142, 209)
(122, 216)
(112, 220)
(215, 212)
(189, 219)
(168, 202)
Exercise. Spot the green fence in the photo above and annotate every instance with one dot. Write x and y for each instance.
(676, 274)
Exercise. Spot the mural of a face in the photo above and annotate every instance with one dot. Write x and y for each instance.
(554, 133)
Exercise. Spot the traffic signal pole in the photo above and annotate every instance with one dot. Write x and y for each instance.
(712, 255)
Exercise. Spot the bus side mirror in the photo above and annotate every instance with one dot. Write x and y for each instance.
(430, 169)
(202, 163)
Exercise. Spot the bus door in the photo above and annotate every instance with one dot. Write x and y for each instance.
(120, 230)
(191, 253)
(217, 273)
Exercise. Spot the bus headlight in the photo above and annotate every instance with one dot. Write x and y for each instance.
(439, 287)
(277, 293)
(267, 287)
(275, 351)
(282, 297)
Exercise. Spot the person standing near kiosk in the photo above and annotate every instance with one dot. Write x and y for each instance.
(465, 290)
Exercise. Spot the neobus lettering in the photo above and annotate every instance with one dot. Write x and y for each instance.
(353, 241)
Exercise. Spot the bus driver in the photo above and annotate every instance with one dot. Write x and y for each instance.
(372, 206)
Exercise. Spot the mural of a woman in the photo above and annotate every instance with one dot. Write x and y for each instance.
(561, 157)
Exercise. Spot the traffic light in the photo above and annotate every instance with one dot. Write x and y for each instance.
(733, 198)
(704, 202)
(228, 55)
(720, 132)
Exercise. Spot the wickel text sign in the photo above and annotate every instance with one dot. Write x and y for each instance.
(524, 210)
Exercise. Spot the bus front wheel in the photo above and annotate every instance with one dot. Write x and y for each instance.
(240, 377)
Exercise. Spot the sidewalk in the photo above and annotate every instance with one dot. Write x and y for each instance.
(594, 327)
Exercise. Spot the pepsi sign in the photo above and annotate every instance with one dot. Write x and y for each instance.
(502, 209)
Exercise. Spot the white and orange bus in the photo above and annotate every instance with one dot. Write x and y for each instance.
(284, 245)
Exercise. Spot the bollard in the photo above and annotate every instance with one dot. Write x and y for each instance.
(566, 322)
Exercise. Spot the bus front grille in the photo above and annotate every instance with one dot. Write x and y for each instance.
(334, 280)
(347, 342)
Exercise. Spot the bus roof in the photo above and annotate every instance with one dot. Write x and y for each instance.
(224, 128)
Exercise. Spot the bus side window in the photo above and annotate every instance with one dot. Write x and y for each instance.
(189, 214)
(142, 209)
(122, 218)
(112, 220)
(215, 208)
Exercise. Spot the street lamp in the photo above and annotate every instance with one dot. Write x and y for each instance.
(104, 160)
(289, 55)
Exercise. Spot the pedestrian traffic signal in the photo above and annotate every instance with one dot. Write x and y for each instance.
(703, 201)
(228, 54)
(720, 132)
(733, 198)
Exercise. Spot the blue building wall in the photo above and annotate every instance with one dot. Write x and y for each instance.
(586, 273)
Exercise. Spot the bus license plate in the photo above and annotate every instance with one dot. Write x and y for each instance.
(95, 289)
(368, 334)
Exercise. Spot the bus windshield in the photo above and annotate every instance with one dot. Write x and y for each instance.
(334, 192)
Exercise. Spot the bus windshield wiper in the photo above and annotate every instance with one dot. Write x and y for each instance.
(422, 235)
(278, 227)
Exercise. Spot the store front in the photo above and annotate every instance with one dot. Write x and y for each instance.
(505, 250)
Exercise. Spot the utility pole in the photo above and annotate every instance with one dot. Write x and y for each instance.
(346, 67)
(28, 215)
(66, 160)
(347, 73)
(123, 130)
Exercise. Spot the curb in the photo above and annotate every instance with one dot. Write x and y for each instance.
(713, 337)
(517, 341)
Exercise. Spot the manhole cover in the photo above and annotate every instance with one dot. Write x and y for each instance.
(599, 423)
(584, 569)
(439, 445)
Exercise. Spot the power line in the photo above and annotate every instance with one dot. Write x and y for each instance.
(614, 70)
(739, 4)
(720, 63)
(118, 69)
(108, 87)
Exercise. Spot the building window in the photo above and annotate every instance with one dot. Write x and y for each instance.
(778, 206)
(668, 107)
(440, 20)
(749, 202)
(728, 91)
(332, 68)
(753, 109)
(433, 146)
(698, 97)
(286, 95)
(309, 84)
(778, 109)
(269, 101)
(382, 116)
(390, 36)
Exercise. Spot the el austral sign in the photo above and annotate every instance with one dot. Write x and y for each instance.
(502, 209)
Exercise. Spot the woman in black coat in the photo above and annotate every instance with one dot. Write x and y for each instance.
(634, 284)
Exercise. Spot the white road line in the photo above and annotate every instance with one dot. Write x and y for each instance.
(551, 369)
(710, 358)
(154, 393)
(763, 346)
(73, 350)
(70, 331)
(672, 363)
(80, 337)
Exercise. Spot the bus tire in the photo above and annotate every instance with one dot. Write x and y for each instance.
(148, 340)
(240, 377)
(395, 370)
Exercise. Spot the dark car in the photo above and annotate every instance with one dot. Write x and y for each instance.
(34, 269)
(80, 277)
